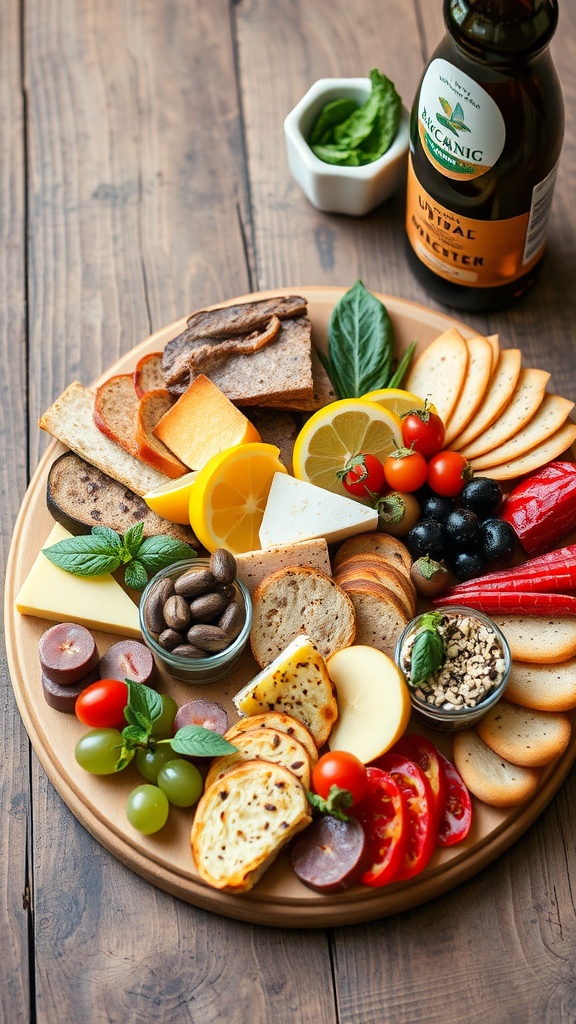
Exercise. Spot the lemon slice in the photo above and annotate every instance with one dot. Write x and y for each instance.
(397, 401)
(229, 495)
(338, 432)
(172, 500)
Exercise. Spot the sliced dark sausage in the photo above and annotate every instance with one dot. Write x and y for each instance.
(329, 856)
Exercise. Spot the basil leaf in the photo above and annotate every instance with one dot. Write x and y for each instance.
(428, 655)
(114, 540)
(403, 367)
(197, 741)
(340, 155)
(158, 552)
(337, 800)
(332, 114)
(389, 112)
(360, 124)
(144, 706)
(361, 343)
(133, 538)
(87, 555)
(135, 575)
(351, 136)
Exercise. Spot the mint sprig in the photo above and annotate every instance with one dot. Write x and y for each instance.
(337, 800)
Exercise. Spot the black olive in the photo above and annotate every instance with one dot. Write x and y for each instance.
(427, 538)
(482, 496)
(436, 507)
(467, 564)
(462, 529)
(498, 540)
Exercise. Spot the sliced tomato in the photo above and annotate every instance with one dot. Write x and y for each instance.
(457, 819)
(415, 788)
(383, 816)
(421, 750)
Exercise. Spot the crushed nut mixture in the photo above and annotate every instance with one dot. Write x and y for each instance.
(474, 664)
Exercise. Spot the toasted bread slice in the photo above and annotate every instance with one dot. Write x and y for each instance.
(380, 618)
(439, 373)
(390, 574)
(148, 374)
(115, 411)
(523, 405)
(254, 566)
(264, 745)
(243, 820)
(151, 408)
(280, 721)
(371, 575)
(540, 640)
(300, 600)
(490, 777)
(296, 683)
(523, 736)
(543, 687)
(375, 543)
(474, 387)
(501, 387)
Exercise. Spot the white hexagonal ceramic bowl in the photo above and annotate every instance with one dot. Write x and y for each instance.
(352, 190)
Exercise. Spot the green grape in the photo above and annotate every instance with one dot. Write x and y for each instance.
(162, 728)
(95, 751)
(147, 809)
(149, 762)
(182, 782)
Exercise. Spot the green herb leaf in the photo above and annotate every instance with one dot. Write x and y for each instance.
(133, 736)
(158, 552)
(340, 155)
(403, 367)
(144, 706)
(197, 741)
(123, 761)
(388, 116)
(337, 800)
(332, 113)
(135, 575)
(428, 651)
(133, 538)
(351, 136)
(113, 538)
(361, 343)
(87, 555)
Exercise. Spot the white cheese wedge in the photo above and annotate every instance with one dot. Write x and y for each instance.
(97, 602)
(297, 511)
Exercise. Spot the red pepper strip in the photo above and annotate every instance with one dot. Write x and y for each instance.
(510, 603)
(564, 558)
(557, 580)
(542, 509)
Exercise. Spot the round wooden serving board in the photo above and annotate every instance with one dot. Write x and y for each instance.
(165, 858)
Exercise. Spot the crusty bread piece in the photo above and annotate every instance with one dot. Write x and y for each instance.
(523, 405)
(300, 600)
(115, 411)
(439, 373)
(489, 777)
(475, 383)
(243, 820)
(280, 721)
(71, 420)
(323, 388)
(389, 573)
(296, 683)
(255, 566)
(538, 456)
(370, 575)
(543, 687)
(375, 543)
(380, 618)
(523, 736)
(501, 387)
(264, 745)
(148, 374)
(540, 640)
(151, 409)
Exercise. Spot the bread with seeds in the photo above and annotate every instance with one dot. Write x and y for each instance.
(263, 745)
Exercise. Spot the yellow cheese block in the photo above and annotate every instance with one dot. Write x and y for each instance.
(97, 602)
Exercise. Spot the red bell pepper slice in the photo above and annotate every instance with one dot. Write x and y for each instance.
(416, 791)
(457, 819)
(542, 509)
(383, 814)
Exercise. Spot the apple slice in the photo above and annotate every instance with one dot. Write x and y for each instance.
(373, 702)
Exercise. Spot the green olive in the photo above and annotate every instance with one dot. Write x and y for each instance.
(398, 512)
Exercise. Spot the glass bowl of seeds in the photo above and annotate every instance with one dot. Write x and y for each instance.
(456, 662)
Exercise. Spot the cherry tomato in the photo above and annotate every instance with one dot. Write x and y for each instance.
(421, 829)
(102, 704)
(363, 475)
(424, 430)
(339, 768)
(423, 752)
(457, 818)
(448, 472)
(384, 817)
(405, 470)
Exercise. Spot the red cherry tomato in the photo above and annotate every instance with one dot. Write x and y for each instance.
(420, 750)
(339, 768)
(384, 817)
(424, 430)
(421, 830)
(363, 475)
(405, 470)
(448, 472)
(457, 818)
(102, 704)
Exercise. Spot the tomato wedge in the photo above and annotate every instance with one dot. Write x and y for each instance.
(423, 752)
(415, 788)
(457, 818)
(383, 816)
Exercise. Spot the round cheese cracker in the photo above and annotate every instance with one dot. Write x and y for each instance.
(543, 687)
(491, 778)
(524, 736)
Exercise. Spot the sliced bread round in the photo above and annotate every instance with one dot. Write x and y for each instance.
(541, 640)
(380, 617)
(543, 687)
(151, 409)
(280, 721)
(377, 544)
(524, 736)
(389, 573)
(371, 576)
(115, 411)
(264, 745)
(491, 778)
(148, 374)
(300, 600)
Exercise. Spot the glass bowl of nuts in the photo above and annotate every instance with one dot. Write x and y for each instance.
(195, 617)
(456, 662)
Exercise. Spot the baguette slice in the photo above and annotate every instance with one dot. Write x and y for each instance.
(380, 618)
(148, 374)
(280, 721)
(71, 421)
(543, 687)
(491, 778)
(264, 745)
(386, 570)
(392, 549)
(151, 409)
(242, 822)
(115, 412)
(368, 573)
(540, 640)
(525, 737)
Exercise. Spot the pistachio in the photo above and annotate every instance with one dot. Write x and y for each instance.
(207, 607)
(208, 638)
(232, 620)
(169, 639)
(155, 604)
(223, 566)
(176, 612)
(194, 582)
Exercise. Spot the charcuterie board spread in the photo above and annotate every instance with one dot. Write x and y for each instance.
(290, 604)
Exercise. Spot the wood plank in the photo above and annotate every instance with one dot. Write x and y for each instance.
(15, 913)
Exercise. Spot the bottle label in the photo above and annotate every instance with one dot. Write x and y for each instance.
(476, 253)
(460, 126)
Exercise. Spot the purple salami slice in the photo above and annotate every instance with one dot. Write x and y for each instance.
(63, 698)
(201, 712)
(128, 660)
(67, 653)
(329, 856)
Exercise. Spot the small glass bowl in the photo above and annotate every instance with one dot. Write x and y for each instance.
(460, 718)
(201, 670)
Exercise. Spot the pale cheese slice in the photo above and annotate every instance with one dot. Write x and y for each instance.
(97, 602)
(297, 510)
(439, 373)
(553, 412)
(474, 387)
(498, 393)
(523, 405)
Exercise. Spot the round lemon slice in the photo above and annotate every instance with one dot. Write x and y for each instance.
(172, 500)
(229, 495)
(397, 401)
(339, 431)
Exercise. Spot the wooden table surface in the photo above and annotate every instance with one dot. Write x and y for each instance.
(143, 175)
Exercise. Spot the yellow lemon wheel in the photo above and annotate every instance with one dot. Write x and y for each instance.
(172, 500)
(397, 401)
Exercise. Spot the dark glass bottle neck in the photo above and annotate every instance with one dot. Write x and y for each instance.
(501, 32)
